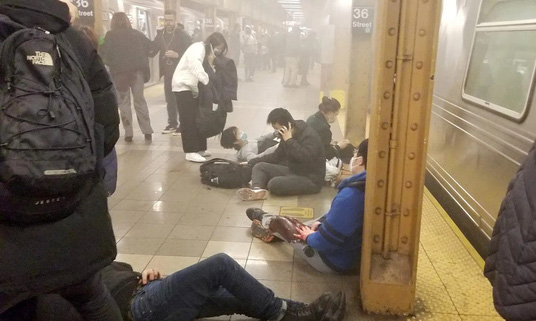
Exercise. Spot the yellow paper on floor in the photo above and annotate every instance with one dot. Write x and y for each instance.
(297, 212)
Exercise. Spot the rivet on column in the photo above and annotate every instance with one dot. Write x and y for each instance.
(385, 125)
(404, 239)
(422, 32)
(411, 155)
(382, 154)
(409, 184)
(386, 95)
(414, 126)
(419, 65)
(416, 96)
(378, 210)
(381, 183)
(376, 239)
(389, 64)
(392, 31)
(406, 212)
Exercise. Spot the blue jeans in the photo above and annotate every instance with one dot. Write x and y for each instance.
(215, 286)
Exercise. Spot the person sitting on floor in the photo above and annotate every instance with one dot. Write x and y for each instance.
(297, 166)
(333, 242)
(247, 149)
(215, 286)
(321, 120)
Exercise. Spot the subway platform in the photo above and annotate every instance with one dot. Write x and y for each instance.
(164, 218)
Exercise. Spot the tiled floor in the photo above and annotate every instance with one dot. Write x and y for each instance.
(164, 218)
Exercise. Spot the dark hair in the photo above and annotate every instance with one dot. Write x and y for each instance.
(216, 39)
(362, 150)
(329, 104)
(120, 21)
(228, 137)
(90, 33)
(170, 11)
(280, 116)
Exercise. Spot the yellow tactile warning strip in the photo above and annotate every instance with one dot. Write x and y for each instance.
(450, 283)
(455, 229)
(297, 212)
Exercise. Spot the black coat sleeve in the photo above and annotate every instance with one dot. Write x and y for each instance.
(101, 85)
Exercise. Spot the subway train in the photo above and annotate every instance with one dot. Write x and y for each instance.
(483, 120)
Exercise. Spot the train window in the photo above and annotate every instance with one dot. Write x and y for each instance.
(495, 11)
(500, 74)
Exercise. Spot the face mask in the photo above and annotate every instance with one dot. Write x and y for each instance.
(244, 136)
(354, 161)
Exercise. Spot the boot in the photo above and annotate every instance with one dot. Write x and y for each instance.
(255, 213)
(324, 308)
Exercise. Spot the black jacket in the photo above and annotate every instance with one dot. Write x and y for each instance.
(511, 262)
(179, 43)
(319, 123)
(126, 50)
(303, 154)
(40, 258)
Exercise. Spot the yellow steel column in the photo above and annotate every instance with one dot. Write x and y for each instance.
(407, 33)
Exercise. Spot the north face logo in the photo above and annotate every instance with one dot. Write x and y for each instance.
(41, 58)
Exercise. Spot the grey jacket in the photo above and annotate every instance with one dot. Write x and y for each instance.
(511, 262)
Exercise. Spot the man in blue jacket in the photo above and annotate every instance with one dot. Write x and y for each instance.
(333, 242)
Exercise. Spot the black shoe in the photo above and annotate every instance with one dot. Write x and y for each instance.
(255, 213)
(148, 137)
(325, 308)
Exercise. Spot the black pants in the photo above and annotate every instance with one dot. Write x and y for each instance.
(170, 100)
(91, 299)
(192, 141)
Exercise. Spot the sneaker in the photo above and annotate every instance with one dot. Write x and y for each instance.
(255, 213)
(325, 308)
(248, 194)
(169, 129)
(177, 131)
(148, 137)
(261, 232)
(195, 157)
(205, 153)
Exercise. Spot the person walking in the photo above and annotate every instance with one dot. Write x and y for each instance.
(189, 73)
(249, 48)
(62, 255)
(170, 43)
(126, 51)
(292, 53)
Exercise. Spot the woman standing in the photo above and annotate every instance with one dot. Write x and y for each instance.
(125, 51)
(188, 74)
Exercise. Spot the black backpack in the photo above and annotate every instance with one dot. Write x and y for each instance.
(224, 173)
(47, 139)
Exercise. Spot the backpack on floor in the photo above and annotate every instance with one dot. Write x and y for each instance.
(47, 138)
(224, 173)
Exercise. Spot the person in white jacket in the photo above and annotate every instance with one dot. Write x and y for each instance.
(188, 74)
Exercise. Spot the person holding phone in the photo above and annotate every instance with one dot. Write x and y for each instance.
(189, 73)
(297, 167)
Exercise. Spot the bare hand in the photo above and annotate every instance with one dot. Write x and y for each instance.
(315, 226)
(286, 133)
(171, 54)
(150, 275)
(303, 231)
(343, 143)
(211, 58)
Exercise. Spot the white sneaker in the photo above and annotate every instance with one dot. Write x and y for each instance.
(195, 157)
(205, 153)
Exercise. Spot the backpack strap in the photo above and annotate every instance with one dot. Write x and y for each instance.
(360, 185)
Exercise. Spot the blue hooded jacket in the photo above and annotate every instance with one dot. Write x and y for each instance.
(338, 239)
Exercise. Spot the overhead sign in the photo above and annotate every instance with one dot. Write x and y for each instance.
(86, 11)
(362, 20)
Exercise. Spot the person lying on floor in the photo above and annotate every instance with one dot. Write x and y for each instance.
(297, 167)
(213, 287)
(247, 149)
(333, 242)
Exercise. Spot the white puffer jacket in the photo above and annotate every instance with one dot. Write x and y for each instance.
(190, 70)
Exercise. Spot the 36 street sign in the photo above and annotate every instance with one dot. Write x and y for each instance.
(362, 20)
(86, 11)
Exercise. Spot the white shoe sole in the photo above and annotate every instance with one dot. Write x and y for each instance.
(247, 194)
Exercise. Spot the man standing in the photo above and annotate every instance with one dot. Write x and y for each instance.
(60, 255)
(249, 48)
(171, 42)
